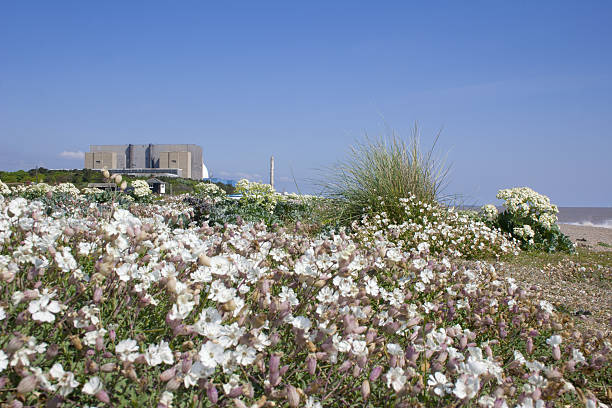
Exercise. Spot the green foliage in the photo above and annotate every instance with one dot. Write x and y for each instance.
(544, 239)
(250, 209)
(380, 172)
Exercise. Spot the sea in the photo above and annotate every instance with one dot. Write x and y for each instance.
(589, 216)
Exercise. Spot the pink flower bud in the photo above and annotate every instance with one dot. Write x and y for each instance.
(529, 345)
(362, 360)
(186, 365)
(345, 366)
(556, 352)
(292, 396)
(27, 384)
(97, 295)
(274, 363)
(173, 384)
(212, 394)
(370, 336)
(52, 351)
(311, 364)
(103, 396)
(168, 374)
(99, 343)
(376, 371)
(365, 389)
(235, 392)
(112, 335)
(108, 367)
(413, 322)
(239, 404)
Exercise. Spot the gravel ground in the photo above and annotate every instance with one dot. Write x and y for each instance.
(576, 289)
(579, 285)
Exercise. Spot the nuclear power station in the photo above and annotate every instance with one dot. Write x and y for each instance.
(178, 160)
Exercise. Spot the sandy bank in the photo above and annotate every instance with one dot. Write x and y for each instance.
(589, 237)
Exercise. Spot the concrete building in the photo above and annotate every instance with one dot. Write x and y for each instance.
(183, 160)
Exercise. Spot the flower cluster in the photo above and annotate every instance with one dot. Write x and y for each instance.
(141, 189)
(92, 191)
(254, 189)
(439, 229)
(489, 212)
(209, 190)
(66, 188)
(525, 232)
(108, 306)
(525, 203)
(531, 218)
(32, 191)
(4, 189)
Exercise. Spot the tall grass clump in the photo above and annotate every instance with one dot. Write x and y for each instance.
(378, 172)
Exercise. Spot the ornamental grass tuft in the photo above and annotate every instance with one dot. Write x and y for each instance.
(379, 172)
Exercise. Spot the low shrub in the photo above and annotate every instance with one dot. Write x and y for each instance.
(209, 190)
(440, 230)
(530, 218)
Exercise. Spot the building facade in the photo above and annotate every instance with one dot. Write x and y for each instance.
(184, 160)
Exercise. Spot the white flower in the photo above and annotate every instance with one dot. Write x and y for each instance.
(183, 306)
(212, 354)
(244, 355)
(288, 295)
(546, 306)
(43, 308)
(440, 383)
(577, 356)
(302, 323)
(157, 354)
(467, 386)
(65, 379)
(529, 403)
(395, 349)
(422, 247)
(196, 372)
(312, 403)
(2, 313)
(127, 350)
(93, 386)
(91, 337)
(554, 340)
(65, 260)
(166, 399)
(3, 361)
(396, 379)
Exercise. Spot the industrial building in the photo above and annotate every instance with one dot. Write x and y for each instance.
(179, 160)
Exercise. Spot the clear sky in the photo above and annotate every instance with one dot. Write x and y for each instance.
(522, 90)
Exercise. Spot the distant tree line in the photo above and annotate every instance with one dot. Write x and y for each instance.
(81, 177)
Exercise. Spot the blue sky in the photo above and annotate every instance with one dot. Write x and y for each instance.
(521, 90)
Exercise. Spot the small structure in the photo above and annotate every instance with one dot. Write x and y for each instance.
(103, 186)
(157, 186)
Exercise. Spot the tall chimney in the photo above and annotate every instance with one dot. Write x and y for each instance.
(272, 171)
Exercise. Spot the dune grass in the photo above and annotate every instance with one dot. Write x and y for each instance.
(378, 172)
